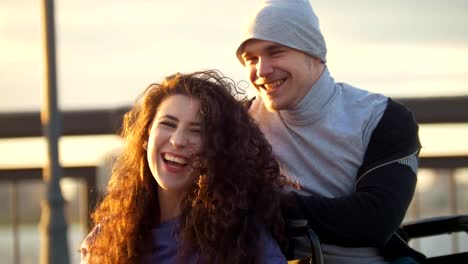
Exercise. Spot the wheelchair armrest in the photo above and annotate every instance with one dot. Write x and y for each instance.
(300, 227)
(297, 227)
(436, 226)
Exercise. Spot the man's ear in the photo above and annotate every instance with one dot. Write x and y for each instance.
(145, 145)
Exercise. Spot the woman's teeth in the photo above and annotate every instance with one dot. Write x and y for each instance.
(177, 160)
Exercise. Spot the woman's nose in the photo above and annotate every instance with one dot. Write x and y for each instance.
(178, 139)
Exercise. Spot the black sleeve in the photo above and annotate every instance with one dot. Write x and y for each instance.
(370, 215)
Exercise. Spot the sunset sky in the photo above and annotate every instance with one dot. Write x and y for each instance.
(109, 51)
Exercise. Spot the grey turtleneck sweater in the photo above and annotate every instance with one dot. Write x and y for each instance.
(324, 145)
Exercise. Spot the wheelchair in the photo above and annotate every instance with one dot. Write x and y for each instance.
(416, 229)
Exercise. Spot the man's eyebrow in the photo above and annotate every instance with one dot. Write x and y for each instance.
(273, 47)
(270, 48)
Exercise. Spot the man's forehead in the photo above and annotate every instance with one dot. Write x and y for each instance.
(255, 45)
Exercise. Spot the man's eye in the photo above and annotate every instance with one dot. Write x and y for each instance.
(276, 52)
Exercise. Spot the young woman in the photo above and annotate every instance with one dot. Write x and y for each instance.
(196, 182)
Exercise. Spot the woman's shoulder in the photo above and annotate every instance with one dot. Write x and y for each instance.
(87, 242)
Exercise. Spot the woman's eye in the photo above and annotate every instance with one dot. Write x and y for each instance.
(167, 124)
(195, 131)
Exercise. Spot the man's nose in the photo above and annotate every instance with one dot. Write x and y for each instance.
(264, 67)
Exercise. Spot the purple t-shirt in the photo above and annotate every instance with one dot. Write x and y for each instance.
(165, 244)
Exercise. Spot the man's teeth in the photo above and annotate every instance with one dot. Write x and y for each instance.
(273, 84)
(174, 159)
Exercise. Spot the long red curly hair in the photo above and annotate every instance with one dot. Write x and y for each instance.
(236, 194)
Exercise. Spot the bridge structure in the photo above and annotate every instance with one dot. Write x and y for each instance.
(435, 110)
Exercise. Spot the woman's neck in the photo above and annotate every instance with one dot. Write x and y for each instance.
(169, 204)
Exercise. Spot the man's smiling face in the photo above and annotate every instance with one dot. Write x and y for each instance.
(281, 75)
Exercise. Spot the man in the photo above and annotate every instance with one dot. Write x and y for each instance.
(354, 153)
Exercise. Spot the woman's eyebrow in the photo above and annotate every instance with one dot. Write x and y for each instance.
(196, 123)
(169, 117)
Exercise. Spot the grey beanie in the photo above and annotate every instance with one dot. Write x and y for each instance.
(291, 23)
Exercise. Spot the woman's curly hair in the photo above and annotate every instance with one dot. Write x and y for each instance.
(233, 199)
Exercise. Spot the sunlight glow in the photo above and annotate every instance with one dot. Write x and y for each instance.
(74, 151)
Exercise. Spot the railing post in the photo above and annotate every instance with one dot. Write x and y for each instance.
(53, 227)
(453, 198)
(14, 222)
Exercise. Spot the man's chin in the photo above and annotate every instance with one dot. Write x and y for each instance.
(271, 103)
(271, 106)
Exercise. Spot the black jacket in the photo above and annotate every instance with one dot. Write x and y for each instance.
(385, 185)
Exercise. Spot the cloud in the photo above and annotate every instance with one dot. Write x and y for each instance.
(395, 21)
(113, 49)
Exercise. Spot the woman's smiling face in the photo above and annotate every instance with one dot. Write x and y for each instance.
(174, 139)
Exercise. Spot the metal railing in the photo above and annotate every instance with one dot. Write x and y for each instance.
(107, 121)
(15, 177)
